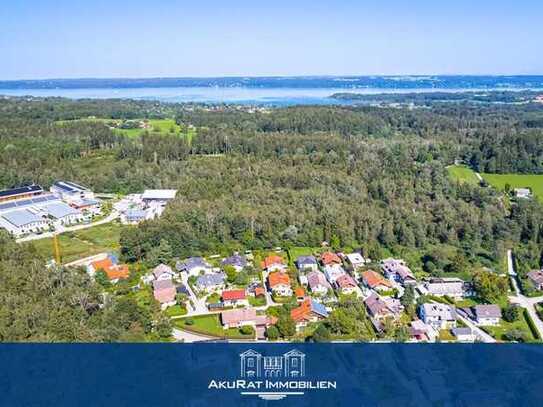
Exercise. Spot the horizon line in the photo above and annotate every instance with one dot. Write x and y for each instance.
(308, 76)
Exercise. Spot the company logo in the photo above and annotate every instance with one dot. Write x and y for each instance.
(272, 377)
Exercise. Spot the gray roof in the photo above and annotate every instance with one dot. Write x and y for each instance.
(162, 284)
(488, 311)
(69, 186)
(461, 331)
(21, 218)
(208, 280)
(136, 214)
(306, 260)
(235, 260)
(190, 263)
(59, 210)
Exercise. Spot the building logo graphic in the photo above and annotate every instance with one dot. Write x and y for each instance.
(272, 377)
(289, 365)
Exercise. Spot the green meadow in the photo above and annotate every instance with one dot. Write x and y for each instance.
(463, 173)
(532, 181)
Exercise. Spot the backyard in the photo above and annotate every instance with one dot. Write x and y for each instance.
(210, 325)
(463, 174)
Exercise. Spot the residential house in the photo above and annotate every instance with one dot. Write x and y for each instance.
(523, 193)
(307, 263)
(210, 282)
(163, 272)
(309, 310)
(383, 307)
(346, 285)
(329, 258)
(440, 286)
(237, 318)
(375, 281)
(109, 265)
(396, 270)
(355, 261)
(317, 283)
(234, 297)
(437, 315)
(421, 332)
(273, 263)
(484, 314)
(193, 266)
(279, 283)
(299, 293)
(333, 272)
(536, 277)
(237, 261)
(164, 292)
(259, 291)
(463, 334)
(133, 216)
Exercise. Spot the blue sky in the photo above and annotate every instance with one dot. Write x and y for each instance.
(134, 38)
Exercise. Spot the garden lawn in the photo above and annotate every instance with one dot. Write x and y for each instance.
(462, 173)
(499, 331)
(532, 181)
(210, 325)
(295, 252)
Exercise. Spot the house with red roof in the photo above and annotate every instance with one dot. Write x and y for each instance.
(279, 283)
(299, 292)
(309, 310)
(234, 297)
(329, 258)
(110, 266)
(346, 285)
(273, 263)
(375, 281)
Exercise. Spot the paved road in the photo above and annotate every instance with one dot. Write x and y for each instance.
(522, 300)
(200, 307)
(110, 218)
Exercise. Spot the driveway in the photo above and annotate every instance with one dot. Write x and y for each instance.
(189, 337)
(520, 299)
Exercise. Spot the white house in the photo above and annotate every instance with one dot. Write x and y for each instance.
(62, 213)
(333, 272)
(194, 266)
(439, 316)
(355, 260)
(463, 334)
(317, 283)
(451, 287)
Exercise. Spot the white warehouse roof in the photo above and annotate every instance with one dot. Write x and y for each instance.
(159, 194)
(60, 210)
(21, 218)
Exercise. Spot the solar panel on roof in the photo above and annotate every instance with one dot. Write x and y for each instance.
(40, 199)
(8, 205)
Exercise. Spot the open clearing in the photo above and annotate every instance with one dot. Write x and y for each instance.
(82, 243)
(463, 174)
(532, 181)
(157, 126)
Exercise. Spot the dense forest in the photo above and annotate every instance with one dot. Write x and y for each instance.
(357, 176)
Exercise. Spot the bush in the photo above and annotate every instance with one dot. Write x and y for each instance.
(511, 313)
(247, 330)
(272, 333)
(189, 321)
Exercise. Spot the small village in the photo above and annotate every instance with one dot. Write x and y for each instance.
(274, 294)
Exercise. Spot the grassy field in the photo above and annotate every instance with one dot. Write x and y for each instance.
(463, 174)
(295, 252)
(209, 325)
(532, 181)
(82, 243)
(164, 126)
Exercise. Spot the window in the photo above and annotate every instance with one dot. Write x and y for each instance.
(250, 363)
(294, 362)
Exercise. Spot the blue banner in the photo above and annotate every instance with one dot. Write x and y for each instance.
(217, 374)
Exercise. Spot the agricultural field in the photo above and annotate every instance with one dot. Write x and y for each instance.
(463, 174)
(532, 181)
(82, 243)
